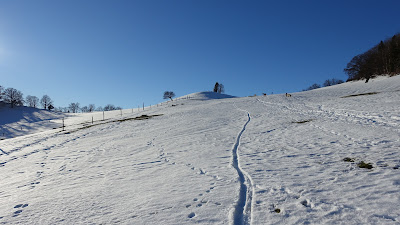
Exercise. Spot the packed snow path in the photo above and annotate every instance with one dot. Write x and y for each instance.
(242, 212)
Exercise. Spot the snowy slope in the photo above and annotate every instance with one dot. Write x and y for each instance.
(253, 160)
(19, 121)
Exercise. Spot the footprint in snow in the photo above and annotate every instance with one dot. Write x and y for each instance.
(20, 206)
(306, 203)
(202, 172)
(191, 215)
(16, 213)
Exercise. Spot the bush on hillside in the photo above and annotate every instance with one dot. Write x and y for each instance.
(333, 81)
(314, 86)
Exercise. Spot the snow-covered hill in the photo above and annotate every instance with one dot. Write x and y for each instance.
(207, 95)
(253, 160)
(19, 121)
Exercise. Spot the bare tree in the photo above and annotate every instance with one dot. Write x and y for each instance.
(221, 88)
(169, 95)
(91, 107)
(32, 101)
(74, 107)
(62, 109)
(14, 97)
(46, 101)
(314, 86)
(59, 109)
(332, 81)
(99, 109)
(85, 109)
(1, 92)
(109, 107)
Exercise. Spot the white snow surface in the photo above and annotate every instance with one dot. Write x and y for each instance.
(253, 160)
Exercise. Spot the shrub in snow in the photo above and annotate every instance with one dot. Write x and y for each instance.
(362, 164)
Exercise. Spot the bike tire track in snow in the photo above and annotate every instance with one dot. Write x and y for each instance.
(242, 211)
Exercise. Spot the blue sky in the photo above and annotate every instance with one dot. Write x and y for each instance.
(129, 52)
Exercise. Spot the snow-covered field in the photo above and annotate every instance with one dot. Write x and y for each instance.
(212, 160)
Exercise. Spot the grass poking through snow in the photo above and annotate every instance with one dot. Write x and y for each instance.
(369, 93)
(303, 121)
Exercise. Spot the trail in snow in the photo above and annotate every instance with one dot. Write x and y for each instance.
(242, 213)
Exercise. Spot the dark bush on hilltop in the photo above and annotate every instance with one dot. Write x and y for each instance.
(1, 92)
(383, 58)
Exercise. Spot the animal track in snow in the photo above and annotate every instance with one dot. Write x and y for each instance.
(19, 207)
(16, 213)
(31, 185)
(39, 173)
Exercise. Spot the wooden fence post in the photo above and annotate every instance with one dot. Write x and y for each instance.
(63, 126)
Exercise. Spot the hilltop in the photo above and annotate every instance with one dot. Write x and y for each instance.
(206, 95)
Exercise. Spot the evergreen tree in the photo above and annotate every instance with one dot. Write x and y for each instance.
(216, 86)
